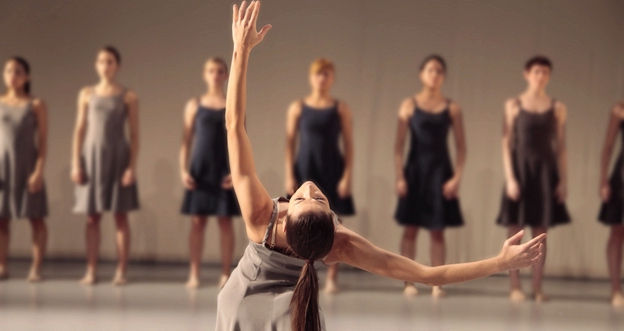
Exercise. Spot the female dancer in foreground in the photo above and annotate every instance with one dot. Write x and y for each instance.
(535, 161)
(321, 120)
(103, 163)
(428, 186)
(23, 146)
(207, 176)
(612, 211)
(275, 286)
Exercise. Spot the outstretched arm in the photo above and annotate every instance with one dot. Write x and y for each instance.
(255, 202)
(354, 250)
(615, 118)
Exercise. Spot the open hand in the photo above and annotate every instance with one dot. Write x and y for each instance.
(401, 188)
(514, 256)
(450, 189)
(128, 177)
(35, 182)
(244, 30)
(513, 190)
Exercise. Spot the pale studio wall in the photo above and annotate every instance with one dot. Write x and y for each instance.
(376, 46)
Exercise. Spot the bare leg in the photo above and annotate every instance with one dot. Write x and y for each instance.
(196, 247)
(93, 249)
(39, 241)
(227, 248)
(122, 238)
(538, 269)
(5, 237)
(516, 293)
(408, 249)
(438, 257)
(614, 259)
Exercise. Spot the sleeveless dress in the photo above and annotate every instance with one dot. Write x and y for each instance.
(18, 159)
(257, 295)
(612, 211)
(105, 157)
(427, 168)
(534, 162)
(209, 166)
(319, 158)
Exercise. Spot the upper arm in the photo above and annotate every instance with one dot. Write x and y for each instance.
(132, 101)
(190, 110)
(457, 121)
(292, 120)
(615, 118)
(41, 111)
(511, 112)
(561, 114)
(82, 106)
(405, 113)
(346, 122)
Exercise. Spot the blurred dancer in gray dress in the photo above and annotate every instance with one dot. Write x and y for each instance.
(104, 162)
(23, 146)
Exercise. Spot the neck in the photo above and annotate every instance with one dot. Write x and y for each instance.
(319, 94)
(15, 93)
(431, 93)
(535, 92)
(106, 82)
(215, 90)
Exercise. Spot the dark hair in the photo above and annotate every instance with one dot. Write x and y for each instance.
(22, 62)
(113, 51)
(311, 237)
(538, 60)
(433, 57)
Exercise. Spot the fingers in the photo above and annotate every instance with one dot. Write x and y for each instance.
(241, 11)
(235, 14)
(515, 238)
(264, 31)
(253, 15)
(536, 240)
(249, 11)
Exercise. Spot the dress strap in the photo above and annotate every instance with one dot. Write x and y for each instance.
(273, 221)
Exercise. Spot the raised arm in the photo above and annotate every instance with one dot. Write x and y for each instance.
(405, 112)
(255, 202)
(615, 118)
(35, 181)
(346, 126)
(354, 250)
(77, 174)
(292, 128)
(562, 152)
(451, 187)
(190, 110)
(132, 102)
(511, 183)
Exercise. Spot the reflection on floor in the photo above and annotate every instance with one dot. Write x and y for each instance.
(157, 300)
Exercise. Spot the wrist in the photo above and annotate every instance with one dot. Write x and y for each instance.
(499, 263)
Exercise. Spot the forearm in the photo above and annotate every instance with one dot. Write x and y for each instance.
(183, 158)
(290, 157)
(509, 174)
(563, 165)
(237, 89)
(398, 164)
(348, 157)
(134, 150)
(459, 164)
(77, 148)
(604, 164)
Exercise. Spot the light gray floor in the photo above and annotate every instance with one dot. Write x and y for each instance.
(157, 300)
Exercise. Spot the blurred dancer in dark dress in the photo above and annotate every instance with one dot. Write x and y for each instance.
(535, 161)
(205, 170)
(319, 121)
(426, 183)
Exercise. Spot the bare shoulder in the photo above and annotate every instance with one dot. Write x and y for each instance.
(407, 108)
(130, 96)
(455, 109)
(38, 103)
(618, 109)
(192, 103)
(512, 107)
(560, 109)
(295, 107)
(343, 108)
(85, 92)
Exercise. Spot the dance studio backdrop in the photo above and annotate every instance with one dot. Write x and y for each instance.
(376, 46)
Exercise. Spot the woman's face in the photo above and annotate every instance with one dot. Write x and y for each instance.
(322, 80)
(15, 77)
(432, 74)
(215, 73)
(308, 198)
(537, 76)
(106, 65)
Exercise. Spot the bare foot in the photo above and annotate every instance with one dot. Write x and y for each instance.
(331, 287)
(617, 300)
(120, 279)
(437, 292)
(516, 295)
(223, 280)
(410, 290)
(34, 276)
(89, 279)
(193, 282)
(540, 297)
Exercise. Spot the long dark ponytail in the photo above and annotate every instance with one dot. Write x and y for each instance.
(311, 237)
(22, 62)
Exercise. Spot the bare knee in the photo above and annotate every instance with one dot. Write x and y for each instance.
(4, 225)
(617, 233)
(225, 225)
(94, 220)
(199, 223)
(410, 233)
(121, 220)
(38, 225)
(437, 236)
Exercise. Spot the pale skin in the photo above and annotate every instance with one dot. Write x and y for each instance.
(256, 204)
(534, 100)
(107, 68)
(429, 99)
(215, 74)
(15, 77)
(320, 98)
(616, 237)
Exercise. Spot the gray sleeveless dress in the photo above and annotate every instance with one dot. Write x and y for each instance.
(18, 158)
(105, 157)
(257, 295)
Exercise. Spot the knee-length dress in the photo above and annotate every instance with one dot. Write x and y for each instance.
(319, 158)
(18, 159)
(534, 161)
(427, 168)
(257, 295)
(209, 166)
(105, 157)
(612, 211)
